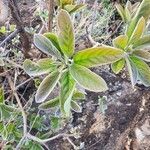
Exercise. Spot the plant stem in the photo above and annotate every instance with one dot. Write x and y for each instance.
(42, 141)
(22, 111)
(51, 9)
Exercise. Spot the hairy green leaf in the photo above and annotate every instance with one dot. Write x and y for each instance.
(75, 107)
(65, 2)
(143, 11)
(78, 96)
(98, 56)
(144, 55)
(67, 89)
(127, 12)
(46, 46)
(42, 66)
(142, 42)
(49, 104)
(87, 79)
(46, 86)
(54, 39)
(73, 8)
(143, 70)
(121, 12)
(66, 33)
(118, 66)
(6, 111)
(121, 41)
(129, 5)
(138, 31)
(132, 71)
(9, 108)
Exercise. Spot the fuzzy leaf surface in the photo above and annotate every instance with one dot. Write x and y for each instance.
(46, 86)
(65, 2)
(144, 55)
(142, 42)
(143, 11)
(121, 41)
(118, 66)
(143, 70)
(78, 96)
(98, 56)
(42, 66)
(132, 71)
(121, 12)
(138, 31)
(67, 89)
(87, 79)
(49, 104)
(54, 39)
(66, 33)
(46, 46)
(127, 12)
(75, 107)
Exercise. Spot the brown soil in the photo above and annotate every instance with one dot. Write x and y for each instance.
(127, 111)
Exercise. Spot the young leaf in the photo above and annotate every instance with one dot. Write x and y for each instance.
(54, 39)
(121, 41)
(102, 101)
(87, 79)
(6, 111)
(143, 11)
(127, 12)
(43, 66)
(46, 86)
(121, 12)
(55, 122)
(138, 31)
(75, 107)
(66, 33)
(78, 96)
(1, 95)
(65, 2)
(142, 42)
(132, 71)
(143, 70)
(144, 55)
(118, 66)
(46, 46)
(129, 6)
(49, 104)
(98, 56)
(73, 8)
(67, 89)
(9, 108)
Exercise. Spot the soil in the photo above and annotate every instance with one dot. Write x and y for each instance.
(125, 124)
(127, 112)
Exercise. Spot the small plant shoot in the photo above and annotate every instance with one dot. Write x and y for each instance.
(134, 44)
(69, 5)
(68, 68)
(64, 74)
